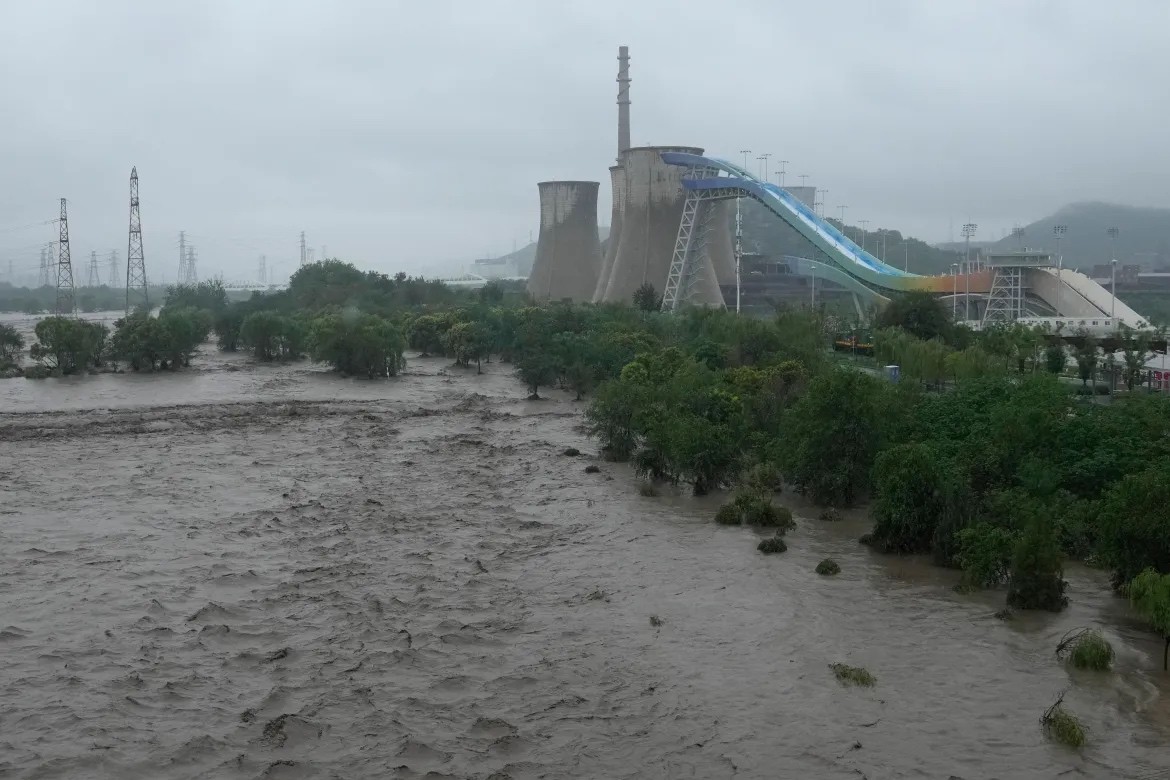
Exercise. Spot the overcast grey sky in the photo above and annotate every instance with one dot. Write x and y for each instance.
(411, 135)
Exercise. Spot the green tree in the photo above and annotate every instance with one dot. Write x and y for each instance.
(646, 298)
(208, 295)
(1054, 358)
(918, 313)
(833, 433)
(357, 344)
(1135, 347)
(68, 345)
(262, 331)
(1150, 595)
(985, 554)
(1135, 523)
(11, 346)
(467, 341)
(182, 330)
(1086, 356)
(1036, 578)
(427, 332)
(909, 498)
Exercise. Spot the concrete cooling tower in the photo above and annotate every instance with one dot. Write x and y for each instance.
(617, 180)
(721, 241)
(653, 208)
(568, 252)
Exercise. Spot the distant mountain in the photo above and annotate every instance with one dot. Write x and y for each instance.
(1143, 235)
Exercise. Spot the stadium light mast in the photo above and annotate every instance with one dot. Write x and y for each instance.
(1113, 233)
(745, 153)
(1059, 231)
(968, 231)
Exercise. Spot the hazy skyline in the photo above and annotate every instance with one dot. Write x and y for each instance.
(408, 136)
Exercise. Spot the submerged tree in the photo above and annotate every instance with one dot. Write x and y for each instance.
(1037, 575)
(1150, 595)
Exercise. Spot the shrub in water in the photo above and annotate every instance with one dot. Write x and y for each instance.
(830, 515)
(853, 675)
(1062, 725)
(592, 469)
(773, 545)
(648, 490)
(728, 515)
(1086, 649)
(828, 567)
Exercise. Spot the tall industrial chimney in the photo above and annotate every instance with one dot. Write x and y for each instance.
(653, 209)
(568, 253)
(623, 100)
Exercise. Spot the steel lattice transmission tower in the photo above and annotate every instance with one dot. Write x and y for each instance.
(95, 274)
(181, 277)
(262, 269)
(190, 276)
(304, 255)
(43, 276)
(135, 262)
(65, 299)
(113, 262)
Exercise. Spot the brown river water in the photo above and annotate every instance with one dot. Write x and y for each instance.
(242, 571)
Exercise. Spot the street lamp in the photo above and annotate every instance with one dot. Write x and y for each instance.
(745, 153)
(968, 231)
(842, 217)
(864, 232)
(820, 203)
(803, 179)
(783, 166)
(1113, 233)
(764, 157)
(1059, 231)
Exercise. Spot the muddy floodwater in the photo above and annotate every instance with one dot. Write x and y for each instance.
(243, 571)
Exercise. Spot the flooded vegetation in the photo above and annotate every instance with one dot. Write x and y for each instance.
(247, 566)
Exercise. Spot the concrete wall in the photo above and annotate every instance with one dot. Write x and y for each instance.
(617, 180)
(653, 209)
(568, 252)
(721, 241)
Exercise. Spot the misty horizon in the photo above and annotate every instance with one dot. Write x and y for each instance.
(251, 124)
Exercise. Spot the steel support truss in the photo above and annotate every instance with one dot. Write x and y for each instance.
(1005, 302)
(690, 258)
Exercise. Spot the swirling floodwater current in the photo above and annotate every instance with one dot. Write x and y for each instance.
(243, 571)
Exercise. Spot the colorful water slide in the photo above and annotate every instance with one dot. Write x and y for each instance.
(720, 175)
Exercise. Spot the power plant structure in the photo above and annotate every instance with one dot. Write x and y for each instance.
(651, 214)
(671, 228)
(617, 181)
(568, 252)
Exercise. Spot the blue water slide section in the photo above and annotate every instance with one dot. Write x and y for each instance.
(839, 247)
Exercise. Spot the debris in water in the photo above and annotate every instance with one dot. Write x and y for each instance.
(592, 469)
(373, 501)
(853, 675)
(656, 621)
(572, 452)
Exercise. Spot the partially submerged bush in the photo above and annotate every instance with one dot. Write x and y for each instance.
(728, 515)
(828, 567)
(985, 555)
(853, 675)
(648, 490)
(1062, 725)
(571, 452)
(592, 469)
(751, 509)
(772, 545)
(1086, 648)
(830, 515)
